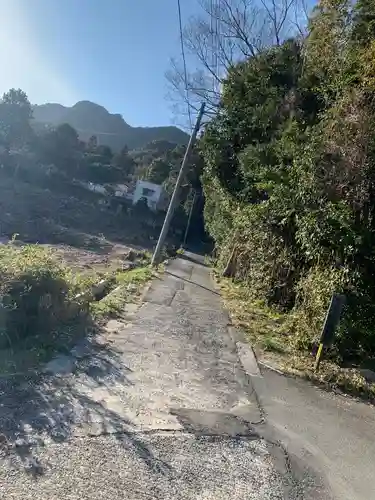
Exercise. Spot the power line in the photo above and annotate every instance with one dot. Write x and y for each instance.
(184, 61)
(212, 39)
(215, 22)
(218, 35)
(216, 45)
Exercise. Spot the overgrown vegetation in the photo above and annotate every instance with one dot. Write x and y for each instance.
(128, 287)
(37, 293)
(268, 331)
(46, 306)
(289, 176)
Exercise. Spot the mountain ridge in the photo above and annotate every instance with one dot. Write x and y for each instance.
(89, 118)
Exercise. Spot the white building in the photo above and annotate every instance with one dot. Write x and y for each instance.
(154, 194)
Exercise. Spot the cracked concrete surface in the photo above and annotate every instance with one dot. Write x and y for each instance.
(160, 409)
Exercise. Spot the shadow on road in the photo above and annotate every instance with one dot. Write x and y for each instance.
(196, 258)
(39, 410)
(192, 283)
(214, 423)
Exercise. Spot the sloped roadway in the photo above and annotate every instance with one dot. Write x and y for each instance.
(156, 408)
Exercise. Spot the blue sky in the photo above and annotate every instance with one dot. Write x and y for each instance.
(113, 52)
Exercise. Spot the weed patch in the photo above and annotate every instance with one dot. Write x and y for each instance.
(268, 332)
(36, 292)
(128, 289)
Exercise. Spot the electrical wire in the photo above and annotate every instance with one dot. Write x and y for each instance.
(212, 40)
(184, 62)
(218, 34)
(217, 13)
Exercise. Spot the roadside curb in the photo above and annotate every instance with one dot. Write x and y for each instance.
(250, 366)
(245, 352)
(235, 334)
(248, 359)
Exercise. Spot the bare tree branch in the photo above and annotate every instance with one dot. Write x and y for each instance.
(225, 33)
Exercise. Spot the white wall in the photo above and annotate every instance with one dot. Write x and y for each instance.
(152, 197)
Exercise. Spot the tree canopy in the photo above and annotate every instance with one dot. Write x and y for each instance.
(15, 115)
(290, 173)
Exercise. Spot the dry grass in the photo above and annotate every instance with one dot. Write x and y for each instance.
(262, 326)
(128, 289)
(45, 304)
(267, 332)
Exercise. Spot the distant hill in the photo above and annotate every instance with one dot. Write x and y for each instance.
(90, 119)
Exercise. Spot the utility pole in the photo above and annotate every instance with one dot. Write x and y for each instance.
(174, 200)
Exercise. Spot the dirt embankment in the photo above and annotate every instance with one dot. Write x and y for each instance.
(71, 220)
(83, 244)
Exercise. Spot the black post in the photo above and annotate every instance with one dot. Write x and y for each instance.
(330, 323)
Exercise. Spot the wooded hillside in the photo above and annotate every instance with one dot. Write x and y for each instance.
(289, 174)
(88, 119)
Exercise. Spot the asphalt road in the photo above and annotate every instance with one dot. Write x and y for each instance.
(332, 434)
(161, 407)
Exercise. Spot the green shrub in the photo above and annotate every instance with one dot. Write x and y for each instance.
(313, 295)
(36, 293)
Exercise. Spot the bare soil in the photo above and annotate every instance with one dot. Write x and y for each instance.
(87, 237)
(70, 221)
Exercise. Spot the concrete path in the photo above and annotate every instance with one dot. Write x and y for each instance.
(157, 407)
(162, 405)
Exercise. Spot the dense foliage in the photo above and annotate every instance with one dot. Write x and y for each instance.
(289, 174)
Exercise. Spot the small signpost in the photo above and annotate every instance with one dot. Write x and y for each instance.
(330, 323)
